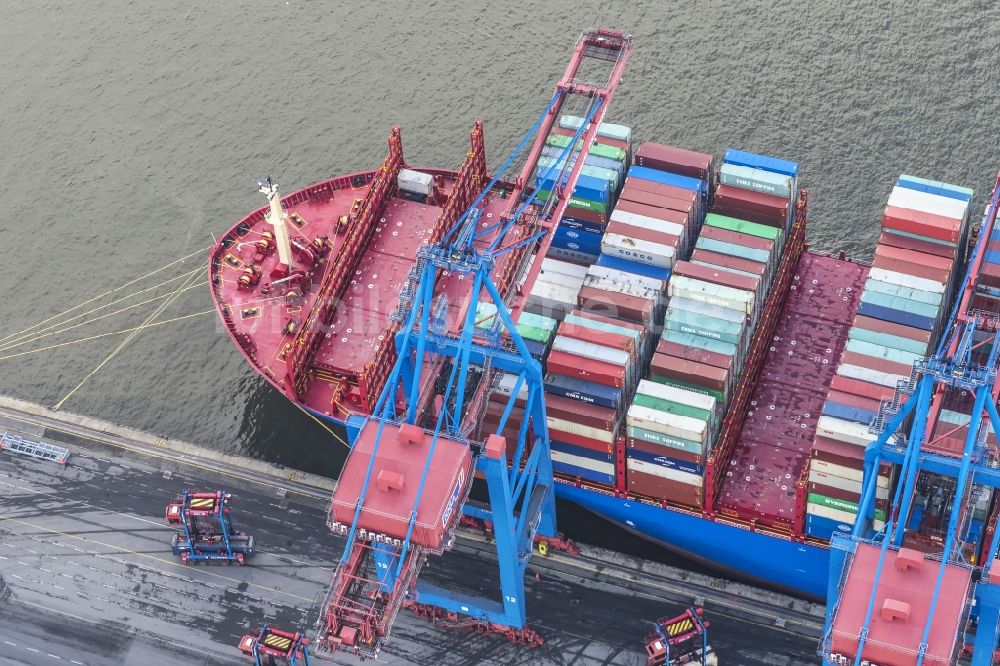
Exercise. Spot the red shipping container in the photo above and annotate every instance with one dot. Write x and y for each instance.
(664, 489)
(579, 440)
(914, 257)
(592, 216)
(873, 363)
(852, 400)
(715, 359)
(660, 188)
(630, 193)
(989, 275)
(593, 416)
(593, 316)
(751, 206)
(670, 452)
(917, 245)
(675, 160)
(849, 385)
(838, 453)
(616, 305)
(664, 214)
(922, 224)
(603, 338)
(396, 474)
(736, 238)
(689, 372)
(578, 367)
(729, 261)
(641, 233)
(715, 276)
(892, 328)
(909, 268)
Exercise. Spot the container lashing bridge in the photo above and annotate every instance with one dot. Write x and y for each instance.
(890, 604)
(207, 533)
(406, 481)
(271, 646)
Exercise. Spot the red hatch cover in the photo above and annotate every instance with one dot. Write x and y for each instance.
(901, 606)
(392, 493)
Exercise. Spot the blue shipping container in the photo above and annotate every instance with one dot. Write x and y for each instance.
(583, 473)
(847, 412)
(896, 316)
(666, 461)
(574, 450)
(572, 222)
(666, 178)
(634, 267)
(935, 187)
(584, 391)
(773, 164)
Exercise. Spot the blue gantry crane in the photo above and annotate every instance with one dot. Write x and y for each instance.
(207, 533)
(888, 603)
(406, 480)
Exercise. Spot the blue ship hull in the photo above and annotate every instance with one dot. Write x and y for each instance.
(797, 568)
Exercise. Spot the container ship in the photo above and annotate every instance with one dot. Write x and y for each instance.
(710, 382)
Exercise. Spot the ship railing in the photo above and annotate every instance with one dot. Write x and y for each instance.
(41, 450)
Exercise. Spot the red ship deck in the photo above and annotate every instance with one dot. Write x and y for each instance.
(773, 446)
(359, 332)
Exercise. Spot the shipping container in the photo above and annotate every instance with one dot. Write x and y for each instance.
(617, 306)
(902, 197)
(650, 235)
(583, 391)
(682, 427)
(696, 354)
(731, 263)
(631, 193)
(634, 267)
(676, 160)
(753, 206)
(757, 180)
(675, 227)
(906, 280)
(743, 158)
(659, 439)
(907, 241)
(589, 370)
(689, 373)
(743, 226)
(665, 178)
(676, 217)
(633, 249)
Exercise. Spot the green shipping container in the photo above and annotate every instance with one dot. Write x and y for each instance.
(840, 505)
(708, 327)
(666, 381)
(742, 226)
(894, 341)
(664, 440)
(672, 407)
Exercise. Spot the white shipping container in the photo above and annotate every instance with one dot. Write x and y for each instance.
(757, 180)
(575, 428)
(506, 386)
(590, 350)
(570, 281)
(646, 222)
(707, 309)
(869, 375)
(713, 294)
(655, 254)
(615, 274)
(844, 431)
(678, 395)
(831, 513)
(551, 300)
(586, 463)
(550, 265)
(409, 180)
(664, 472)
(903, 197)
(855, 474)
(621, 286)
(904, 280)
(683, 427)
(847, 485)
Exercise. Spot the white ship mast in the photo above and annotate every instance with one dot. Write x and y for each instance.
(277, 218)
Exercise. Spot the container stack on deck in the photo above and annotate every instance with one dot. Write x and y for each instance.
(594, 364)
(905, 299)
(715, 301)
(577, 238)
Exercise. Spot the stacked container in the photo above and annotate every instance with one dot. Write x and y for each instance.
(536, 330)
(903, 305)
(577, 238)
(593, 363)
(670, 430)
(554, 293)
(715, 301)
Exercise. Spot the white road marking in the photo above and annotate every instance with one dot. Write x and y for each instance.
(54, 656)
(9, 643)
(31, 649)
(16, 576)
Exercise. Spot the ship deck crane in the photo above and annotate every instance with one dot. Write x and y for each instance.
(405, 483)
(207, 533)
(890, 604)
